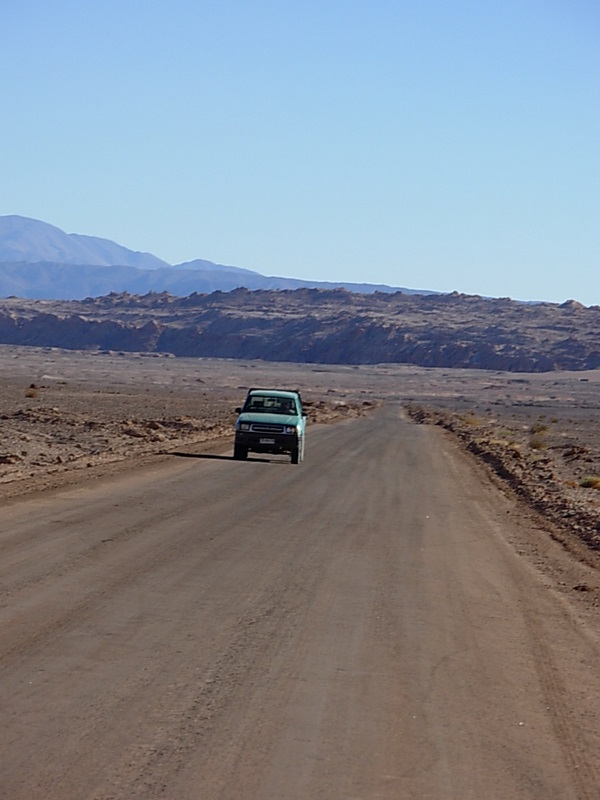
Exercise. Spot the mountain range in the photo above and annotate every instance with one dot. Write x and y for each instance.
(40, 261)
(82, 292)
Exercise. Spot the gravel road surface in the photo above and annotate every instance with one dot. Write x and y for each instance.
(368, 624)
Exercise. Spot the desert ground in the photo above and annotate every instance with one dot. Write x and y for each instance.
(67, 413)
(411, 612)
(70, 415)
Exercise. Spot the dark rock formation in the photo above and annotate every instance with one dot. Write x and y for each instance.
(319, 326)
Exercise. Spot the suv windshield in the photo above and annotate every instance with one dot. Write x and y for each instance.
(266, 404)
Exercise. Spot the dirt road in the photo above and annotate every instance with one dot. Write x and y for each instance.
(368, 624)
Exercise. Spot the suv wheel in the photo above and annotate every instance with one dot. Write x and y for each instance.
(239, 452)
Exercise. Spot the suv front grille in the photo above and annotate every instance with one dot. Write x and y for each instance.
(263, 427)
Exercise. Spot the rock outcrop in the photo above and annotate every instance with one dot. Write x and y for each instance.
(319, 326)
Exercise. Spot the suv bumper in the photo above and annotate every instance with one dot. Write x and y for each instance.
(267, 442)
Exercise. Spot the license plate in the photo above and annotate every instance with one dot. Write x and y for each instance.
(267, 441)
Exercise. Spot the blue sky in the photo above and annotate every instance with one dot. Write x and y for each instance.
(439, 145)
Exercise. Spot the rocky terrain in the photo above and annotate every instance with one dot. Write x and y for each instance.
(67, 415)
(540, 437)
(70, 415)
(319, 326)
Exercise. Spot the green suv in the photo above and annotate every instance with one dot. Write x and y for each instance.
(271, 421)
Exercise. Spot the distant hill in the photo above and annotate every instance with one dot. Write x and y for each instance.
(31, 241)
(40, 261)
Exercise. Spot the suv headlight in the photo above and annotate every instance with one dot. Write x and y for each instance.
(290, 429)
(244, 426)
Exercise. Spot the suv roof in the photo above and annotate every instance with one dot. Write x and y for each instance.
(275, 392)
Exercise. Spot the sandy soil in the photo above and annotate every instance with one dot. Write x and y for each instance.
(69, 415)
(413, 633)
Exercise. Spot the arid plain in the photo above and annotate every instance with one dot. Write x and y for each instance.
(69, 415)
(411, 612)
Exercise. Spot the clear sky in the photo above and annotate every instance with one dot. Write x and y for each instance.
(438, 144)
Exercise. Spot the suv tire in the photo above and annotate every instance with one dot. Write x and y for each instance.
(240, 453)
